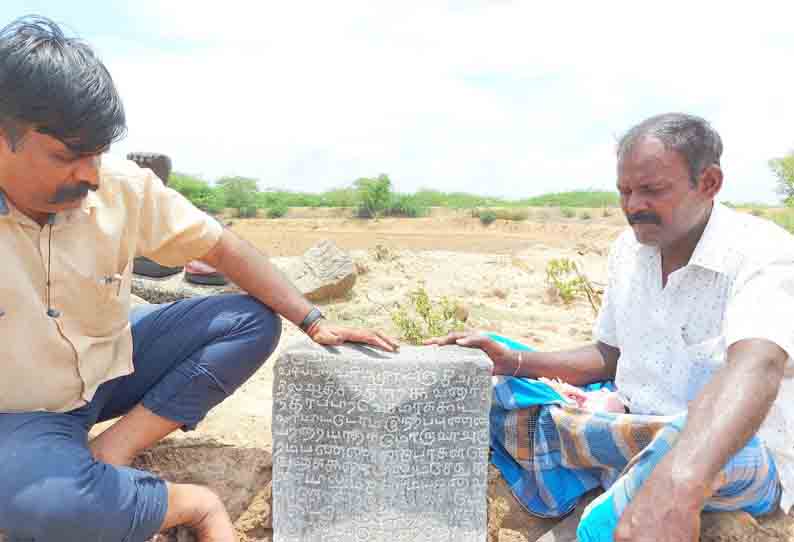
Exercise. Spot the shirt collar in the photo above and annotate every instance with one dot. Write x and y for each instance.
(713, 246)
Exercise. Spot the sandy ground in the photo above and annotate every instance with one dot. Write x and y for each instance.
(497, 272)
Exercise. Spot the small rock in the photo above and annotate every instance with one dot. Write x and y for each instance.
(323, 272)
(501, 293)
(361, 267)
(461, 312)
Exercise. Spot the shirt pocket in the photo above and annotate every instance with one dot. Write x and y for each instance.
(703, 360)
(105, 302)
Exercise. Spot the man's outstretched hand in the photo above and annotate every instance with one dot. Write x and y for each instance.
(329, 334)
(498, 352)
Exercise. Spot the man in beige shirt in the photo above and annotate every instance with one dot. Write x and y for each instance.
(71, 222)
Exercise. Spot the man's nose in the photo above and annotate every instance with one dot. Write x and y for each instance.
(87, 170)
(635, 203)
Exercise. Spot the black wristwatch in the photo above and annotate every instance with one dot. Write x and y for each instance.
(310, 319)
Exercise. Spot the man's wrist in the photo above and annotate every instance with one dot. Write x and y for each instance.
(512, 363)
(311, 320)
(687, 487)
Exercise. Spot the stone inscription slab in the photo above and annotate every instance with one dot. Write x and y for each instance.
(371, 446)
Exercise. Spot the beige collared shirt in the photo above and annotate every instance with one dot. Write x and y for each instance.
(56, 364)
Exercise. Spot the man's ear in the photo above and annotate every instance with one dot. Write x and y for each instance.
(710, 182)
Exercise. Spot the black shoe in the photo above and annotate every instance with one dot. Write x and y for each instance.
(200, 273)
(148, 268)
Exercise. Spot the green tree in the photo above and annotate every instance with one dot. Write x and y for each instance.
(783, 168)
(241, 194)
(198, 191)
(374, 195)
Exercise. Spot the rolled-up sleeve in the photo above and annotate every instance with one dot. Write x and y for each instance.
(762, 306)
(172, 231)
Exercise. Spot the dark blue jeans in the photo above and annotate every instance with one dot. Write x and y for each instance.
(189, 356)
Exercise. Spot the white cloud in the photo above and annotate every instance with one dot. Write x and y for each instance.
(503, 98)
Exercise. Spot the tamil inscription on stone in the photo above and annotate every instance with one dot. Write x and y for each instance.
(371, 446)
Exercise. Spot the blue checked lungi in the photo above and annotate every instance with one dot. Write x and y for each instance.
(551, 453)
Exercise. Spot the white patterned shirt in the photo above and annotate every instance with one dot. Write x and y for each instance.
(738, 284)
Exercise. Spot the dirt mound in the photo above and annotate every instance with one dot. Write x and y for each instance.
(240, 476)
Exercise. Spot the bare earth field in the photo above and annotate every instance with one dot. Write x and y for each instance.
(497, 272)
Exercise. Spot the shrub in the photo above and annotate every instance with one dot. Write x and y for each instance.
(199, 192)
(784, 219)
(567, 212)
(240, 194)
(512, 214)
(564, 277)
(487, 217)
(575, 198)
(279, 210)
(374, 196)
(585, 215)
(407, 206)
(339, 197)
(757, 212)
(420, 318)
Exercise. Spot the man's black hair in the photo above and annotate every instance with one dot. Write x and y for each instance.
(693, 137)
(57, 86)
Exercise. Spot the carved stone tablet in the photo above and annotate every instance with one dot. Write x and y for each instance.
(371, 446)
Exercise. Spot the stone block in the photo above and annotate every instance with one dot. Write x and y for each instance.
(371, 446)
(323, 272)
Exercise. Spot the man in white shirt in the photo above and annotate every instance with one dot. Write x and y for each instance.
(697, 318)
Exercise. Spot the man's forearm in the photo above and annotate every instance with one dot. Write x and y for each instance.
(725, 416)
(591, 363)
(252, 271)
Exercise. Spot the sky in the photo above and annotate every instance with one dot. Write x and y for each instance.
(500, 98)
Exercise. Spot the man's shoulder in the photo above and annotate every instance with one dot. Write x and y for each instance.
(121, 176)
(753, 239)
(117, 169)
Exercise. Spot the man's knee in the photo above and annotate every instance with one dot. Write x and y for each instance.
(261, 326)
(252, 336)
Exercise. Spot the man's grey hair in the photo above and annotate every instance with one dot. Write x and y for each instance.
(689, 135)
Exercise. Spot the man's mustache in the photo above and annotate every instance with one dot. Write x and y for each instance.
(644, 218)
(73, 192)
